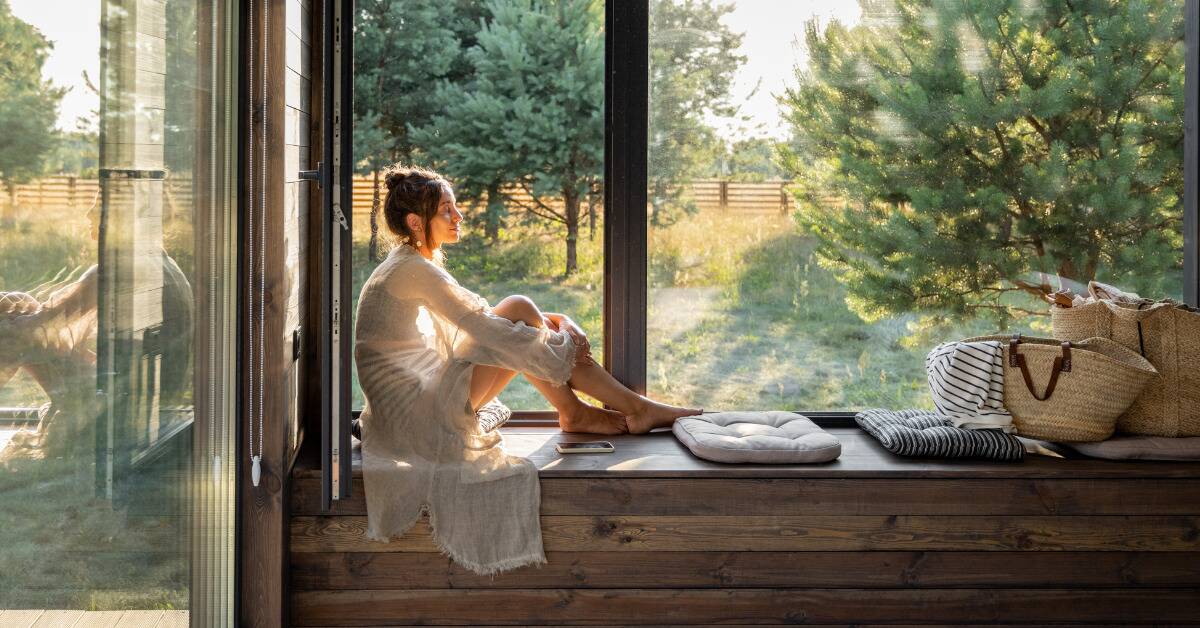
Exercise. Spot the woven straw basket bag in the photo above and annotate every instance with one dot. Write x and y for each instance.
(1069, 392)
(1166, 335)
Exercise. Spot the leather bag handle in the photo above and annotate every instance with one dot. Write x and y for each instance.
(1062, 364)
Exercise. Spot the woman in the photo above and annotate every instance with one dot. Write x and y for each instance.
(422, 445)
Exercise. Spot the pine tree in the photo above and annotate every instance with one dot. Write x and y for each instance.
(28, 105)
(989, 149)
(692, 68)
(532, 115)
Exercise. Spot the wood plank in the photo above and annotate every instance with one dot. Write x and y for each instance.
(856, 625)
(151, 17)
(806, 533)
(140, 619)
(174, 619)
(829, 570)
(23, 618)
(99, 619)
(262, 509)
(660, 454)
(296, 59)
(824, 496)
(749, 606)
(297, 90)
(54, 619)
(299, 20)
(296, 127)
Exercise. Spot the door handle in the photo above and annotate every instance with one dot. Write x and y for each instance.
(320, 175)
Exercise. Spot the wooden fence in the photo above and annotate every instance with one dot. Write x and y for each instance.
(767, 197)
(54, 193)
(63, 193)
(69, 198)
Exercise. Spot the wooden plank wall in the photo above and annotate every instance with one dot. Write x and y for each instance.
(264, 516)
(297, 130)
(678, 551)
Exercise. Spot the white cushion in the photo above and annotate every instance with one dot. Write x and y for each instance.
(771, 436)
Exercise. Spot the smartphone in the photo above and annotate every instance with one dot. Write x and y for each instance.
(592, 447)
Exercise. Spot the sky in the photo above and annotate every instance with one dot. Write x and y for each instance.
(74, 28)
(771, 45)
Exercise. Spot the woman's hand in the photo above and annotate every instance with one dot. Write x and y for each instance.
(584, 352)
(560, 322)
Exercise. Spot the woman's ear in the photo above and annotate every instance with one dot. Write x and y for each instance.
(414, 224)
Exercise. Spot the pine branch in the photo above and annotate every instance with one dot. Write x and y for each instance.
(1041, 130)
(537, 199)
(531, 209)
(1133, 93)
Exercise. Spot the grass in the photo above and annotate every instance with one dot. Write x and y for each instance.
(62, 547)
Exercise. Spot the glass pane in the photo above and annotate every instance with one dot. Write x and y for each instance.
(837, 187)
(117, 308)
(507, 102)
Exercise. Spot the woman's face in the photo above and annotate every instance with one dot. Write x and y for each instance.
(445, 225)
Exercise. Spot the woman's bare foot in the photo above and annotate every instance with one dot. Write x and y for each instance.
(592, 420)
(652, 414)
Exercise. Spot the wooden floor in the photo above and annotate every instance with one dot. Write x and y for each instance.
(652, 535)
(93, 619)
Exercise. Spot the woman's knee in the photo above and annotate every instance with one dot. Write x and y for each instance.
(519, 307)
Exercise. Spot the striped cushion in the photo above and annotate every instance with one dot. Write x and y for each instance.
(923, 433)
(492, 415)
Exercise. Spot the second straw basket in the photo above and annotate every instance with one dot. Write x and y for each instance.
(1069, 392)
(1165, 334)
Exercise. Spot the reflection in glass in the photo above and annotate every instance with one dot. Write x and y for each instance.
(835, 187)
(116, 308)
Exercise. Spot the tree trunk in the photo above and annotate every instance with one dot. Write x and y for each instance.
(571, 205)
(591, 214)
(373, 247)
(659, 190)
(495, 207)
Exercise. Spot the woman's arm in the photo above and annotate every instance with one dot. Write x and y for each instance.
(561, 322)
(493, 339)
(555, 319)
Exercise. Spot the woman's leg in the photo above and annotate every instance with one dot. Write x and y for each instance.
(487, 381)
(574, 415)
(642, 414)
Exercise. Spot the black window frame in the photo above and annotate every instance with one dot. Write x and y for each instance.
(626, 108)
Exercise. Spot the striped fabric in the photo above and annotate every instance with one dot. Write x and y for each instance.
(493, 414)
(923, 433)
(966, 380)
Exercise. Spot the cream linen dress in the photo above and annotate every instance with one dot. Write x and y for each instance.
(421, 441)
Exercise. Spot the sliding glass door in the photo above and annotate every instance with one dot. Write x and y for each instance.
(117, 310)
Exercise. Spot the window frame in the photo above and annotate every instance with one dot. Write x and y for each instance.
(626, 98)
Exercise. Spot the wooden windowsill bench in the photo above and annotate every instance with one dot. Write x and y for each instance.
(651, 534)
